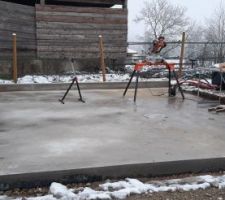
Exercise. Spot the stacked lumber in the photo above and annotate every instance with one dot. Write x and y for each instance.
(19, 19)
(72, 32)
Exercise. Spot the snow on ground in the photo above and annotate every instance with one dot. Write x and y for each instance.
(127, 187)
(5, 81)
(189, 88)
(87, 78)
(83, 78)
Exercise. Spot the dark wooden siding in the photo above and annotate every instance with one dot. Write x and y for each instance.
(111, 2)
(72, 32)
(89, 3)
(19, 19)
(85, 3)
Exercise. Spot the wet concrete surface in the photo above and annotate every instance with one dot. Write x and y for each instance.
(37, 133)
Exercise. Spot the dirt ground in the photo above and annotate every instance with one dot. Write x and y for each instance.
(208, 194)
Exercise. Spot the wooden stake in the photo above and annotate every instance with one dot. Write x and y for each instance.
(14, 58)
(102, 58)
(182, 55)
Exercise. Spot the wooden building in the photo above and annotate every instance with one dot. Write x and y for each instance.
(52, 31)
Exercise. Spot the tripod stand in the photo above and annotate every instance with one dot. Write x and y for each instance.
(139, 66)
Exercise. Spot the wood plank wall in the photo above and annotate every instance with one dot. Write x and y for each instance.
(72, 32)
(100, 2)
(19, 19)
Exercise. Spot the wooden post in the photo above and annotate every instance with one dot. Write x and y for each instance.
(14, 58)
(102, 57)
(182, 55)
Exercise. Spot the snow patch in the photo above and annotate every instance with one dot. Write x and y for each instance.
(86, 78)
(123, 189)
(60, 191)
(5, 81)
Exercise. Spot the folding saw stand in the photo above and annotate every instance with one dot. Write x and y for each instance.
(70, 86)
(139, 66)
(67, 91)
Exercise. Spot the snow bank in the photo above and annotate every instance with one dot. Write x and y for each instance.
(5, 81)
(87, 78)
(127, 187)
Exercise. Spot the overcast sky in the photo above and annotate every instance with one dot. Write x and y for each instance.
(199, 10)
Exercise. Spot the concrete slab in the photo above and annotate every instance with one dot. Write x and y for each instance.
(38, 134)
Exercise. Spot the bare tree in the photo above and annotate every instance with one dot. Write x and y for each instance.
(195, 33)
(215, 32)
(163, 18)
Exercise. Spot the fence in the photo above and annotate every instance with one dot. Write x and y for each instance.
(196, 53)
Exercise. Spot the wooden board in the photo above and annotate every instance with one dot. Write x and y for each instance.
(76, 19)
(71, 9)
(78, 26)
(66, 55)
(94, 1)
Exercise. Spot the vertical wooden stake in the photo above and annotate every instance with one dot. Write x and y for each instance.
(14, 58)
(102, 58)
(182, 55)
